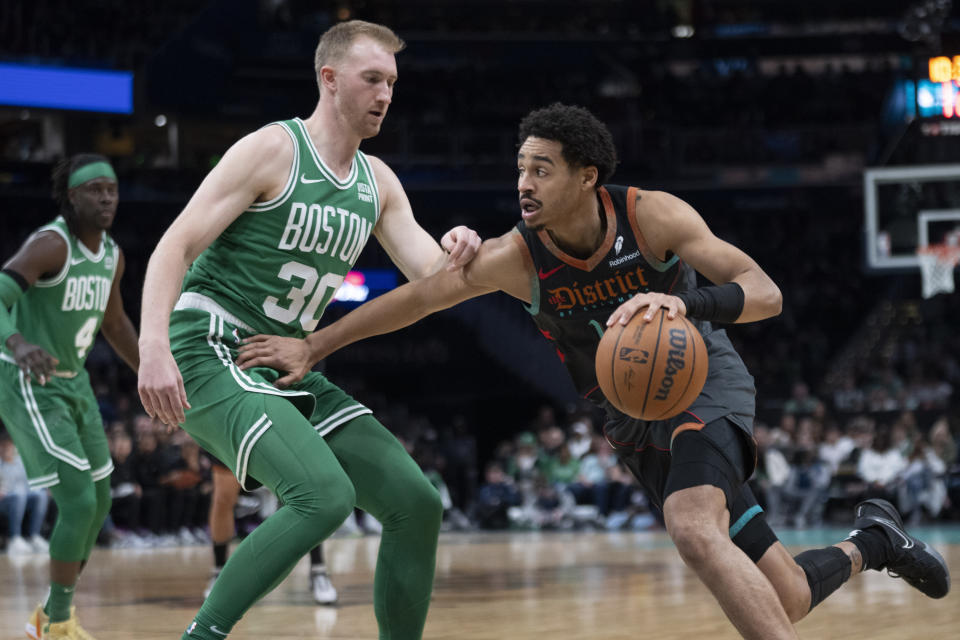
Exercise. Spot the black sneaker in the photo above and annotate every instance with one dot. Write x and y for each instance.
(914, 560)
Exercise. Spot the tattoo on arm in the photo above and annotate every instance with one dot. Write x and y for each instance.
(856, 561)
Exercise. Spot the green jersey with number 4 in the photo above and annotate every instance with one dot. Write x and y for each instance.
(63, 313)
(277, 266)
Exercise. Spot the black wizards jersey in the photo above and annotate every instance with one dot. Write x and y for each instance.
(572, 299)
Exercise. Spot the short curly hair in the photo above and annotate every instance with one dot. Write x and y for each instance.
(585, 141)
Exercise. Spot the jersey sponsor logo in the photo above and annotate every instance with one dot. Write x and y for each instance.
(325, 230)
(676, 360)
(546, 274)
(607, 291)
(86, 293)
(75, 261)
(305, 180)
(616, 262)
(364, 192)
(618, 245)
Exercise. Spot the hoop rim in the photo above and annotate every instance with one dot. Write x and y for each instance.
(944, 253)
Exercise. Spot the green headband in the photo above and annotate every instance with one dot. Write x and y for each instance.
(89, 172)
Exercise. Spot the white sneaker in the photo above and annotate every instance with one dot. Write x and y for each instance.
(320, 586)
(17, 546)
(214, 574)
(39, 544)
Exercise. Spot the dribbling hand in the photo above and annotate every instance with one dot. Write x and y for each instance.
(462, 244)
(652, 302)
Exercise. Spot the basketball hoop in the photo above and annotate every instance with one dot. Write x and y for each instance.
(937, 262)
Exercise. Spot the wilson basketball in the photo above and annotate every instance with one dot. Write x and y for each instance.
(652, 370)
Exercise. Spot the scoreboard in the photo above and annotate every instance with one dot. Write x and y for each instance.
(938, 94)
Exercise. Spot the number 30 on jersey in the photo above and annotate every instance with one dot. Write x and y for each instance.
(318, 290)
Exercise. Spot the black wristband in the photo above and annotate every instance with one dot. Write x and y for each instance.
(19, 279)
(722, 304)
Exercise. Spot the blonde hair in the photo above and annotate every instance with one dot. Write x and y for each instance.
(336, 41)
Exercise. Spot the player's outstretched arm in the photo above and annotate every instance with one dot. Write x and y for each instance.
(744, 292)
(44, 253)
(117, 327)
(499, 265)
(255, 168)
(409, 246)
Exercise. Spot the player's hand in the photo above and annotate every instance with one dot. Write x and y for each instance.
(161, 386)
(650, 302)
(33, 360)
(291, 355)
(462, 243)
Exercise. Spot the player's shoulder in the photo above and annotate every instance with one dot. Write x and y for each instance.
(651, 203)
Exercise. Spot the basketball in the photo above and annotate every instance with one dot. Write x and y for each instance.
(652, 370)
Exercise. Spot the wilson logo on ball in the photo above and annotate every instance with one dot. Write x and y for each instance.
(675, 362)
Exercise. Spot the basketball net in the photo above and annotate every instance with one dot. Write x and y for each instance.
(937, 262)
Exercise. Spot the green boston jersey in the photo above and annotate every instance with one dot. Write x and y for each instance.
(277, 266)
(63, 313)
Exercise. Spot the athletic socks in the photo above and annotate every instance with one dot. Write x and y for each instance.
(873, 546)
(206, 627)
(220, 554)
(58, 602)
(316, 556)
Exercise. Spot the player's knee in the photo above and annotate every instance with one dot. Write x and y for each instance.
(695, 541)
(332, 498)
(419, 502)
(79, 506)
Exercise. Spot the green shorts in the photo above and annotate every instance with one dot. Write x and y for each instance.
(53, 423)
(232, 408)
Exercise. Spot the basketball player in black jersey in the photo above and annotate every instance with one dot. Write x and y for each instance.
(586, 255)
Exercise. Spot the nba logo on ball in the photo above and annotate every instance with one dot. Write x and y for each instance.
(652, 370)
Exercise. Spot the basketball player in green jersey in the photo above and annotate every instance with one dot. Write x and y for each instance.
(588, 254)
(268, 238)
(56, 292)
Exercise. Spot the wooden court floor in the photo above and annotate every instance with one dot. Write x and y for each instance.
(515, 586)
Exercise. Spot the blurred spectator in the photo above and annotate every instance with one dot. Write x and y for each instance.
(849, 398)
(924, 486)
(805, 491)
(124, 489)
(801, 402)
(561, 469)
(495, 496)
(17, 499)
(835, 448)
(772, 473)
(581, 437)
(881, 466)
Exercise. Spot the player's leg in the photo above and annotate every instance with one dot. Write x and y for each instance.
(41, 423)
(392, 488)
(878, 542)
(706, 472)
(221, 518)
(93, 439)
(321, 588)
(297, 465)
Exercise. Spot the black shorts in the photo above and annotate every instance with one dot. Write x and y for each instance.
(718, 454)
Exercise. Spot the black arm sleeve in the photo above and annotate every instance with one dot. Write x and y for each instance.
(722, 304)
